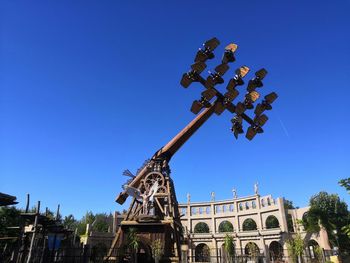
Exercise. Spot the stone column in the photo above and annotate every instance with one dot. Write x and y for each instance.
(283, 218)
(214, 251)
(241, 248)
(236, 206)
(265, 250)
(323, 240)
(236, 224)
(260, 222)
(189, 222)
(184, 253)
(238, 229)
(212, 213)
(258, 206)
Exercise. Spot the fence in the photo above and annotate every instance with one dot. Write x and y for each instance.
(98, 254)
(240, 256)
(83, 254)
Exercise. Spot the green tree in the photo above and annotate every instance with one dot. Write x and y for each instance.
(101, 223)
(70, 222)
(295, 247)
(98, 222)
(345, 183)
(89, 218)
(346, 230)
(9, 217)
(133, 243)
(288, 204)
(329, 211)
(49, 213)
(229, 247)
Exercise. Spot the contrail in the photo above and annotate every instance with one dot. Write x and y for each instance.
(283, 127)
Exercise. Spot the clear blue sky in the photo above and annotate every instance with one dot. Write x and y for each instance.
(90, 88)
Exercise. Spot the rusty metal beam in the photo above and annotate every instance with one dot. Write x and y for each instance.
(172, 146)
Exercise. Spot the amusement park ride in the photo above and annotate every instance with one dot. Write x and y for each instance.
(154, 208)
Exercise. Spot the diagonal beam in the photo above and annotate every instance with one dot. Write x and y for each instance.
(172, 146)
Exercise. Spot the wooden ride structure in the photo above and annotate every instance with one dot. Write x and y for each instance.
(154, 213)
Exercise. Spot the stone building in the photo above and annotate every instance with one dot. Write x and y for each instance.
(259, 223)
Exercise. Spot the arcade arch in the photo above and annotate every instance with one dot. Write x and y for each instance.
(201, 227)
(225, 226)
(272, 222)
(313, 249)
(252, 249)
(276, 251)
(249, 225)
(202, 253)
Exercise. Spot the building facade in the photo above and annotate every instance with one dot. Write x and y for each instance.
(257, 224)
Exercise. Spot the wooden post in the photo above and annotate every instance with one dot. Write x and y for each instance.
(58, 212)
(27, 205)
(34, 232)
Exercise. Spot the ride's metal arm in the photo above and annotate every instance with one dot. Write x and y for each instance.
(176, 143)
(173, 146)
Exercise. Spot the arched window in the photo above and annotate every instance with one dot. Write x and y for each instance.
(202, 253)
(252, 250)
(224, 208)
(314, 250)
(207, 210)
(290, 223)
(305, 216)
(231, 208)
(193, 210)
(201, 210)
(272, 222)
(253, 204)
(305, 221)
(225, 226)
(201, 227)
(262, 202)
(268, 201)
(249, 225)
(246, 205)
(240, 207)
(276, 251)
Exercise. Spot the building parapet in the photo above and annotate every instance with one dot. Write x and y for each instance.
(244, 205)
